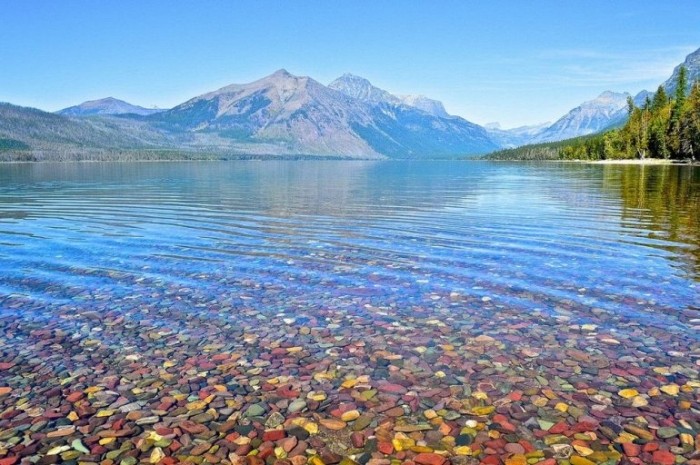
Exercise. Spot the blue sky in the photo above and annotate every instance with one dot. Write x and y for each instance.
(516, 62)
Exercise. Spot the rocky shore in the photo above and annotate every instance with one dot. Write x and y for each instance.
(174, 376)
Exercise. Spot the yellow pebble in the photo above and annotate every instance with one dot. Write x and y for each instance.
(430, 414)
(483, 410)
(625, 437)
(196, 405)
(628, 393)
(73, 416)
(580, 461)
(156, 455)
(318, 396)
(316, 460)
(670, 389)
(463, 450)
(350, 415)
(104, 413)
(311, 427)
(349, 383)
(583, 450)
(421, 449)
(106, 441)
(562, 407)
(517, 459)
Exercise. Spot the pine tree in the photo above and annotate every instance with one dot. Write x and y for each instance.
(690, 124)
(674, 126)
(660, 99)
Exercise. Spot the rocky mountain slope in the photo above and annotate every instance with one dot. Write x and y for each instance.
(297, 114)
(606, 110)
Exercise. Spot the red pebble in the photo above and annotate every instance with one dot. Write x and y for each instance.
(558, 428)
(385, 448)
(392, 388)
(663, 457)
(358, 439)
(527, 446)
(98, 450)
(273, 435)
(287, 392)
(428, 458)
(9, 460)
(651, 447)
(631, 449)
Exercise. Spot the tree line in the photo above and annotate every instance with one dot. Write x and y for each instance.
(665, 126)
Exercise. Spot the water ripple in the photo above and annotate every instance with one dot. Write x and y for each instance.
(526, 236)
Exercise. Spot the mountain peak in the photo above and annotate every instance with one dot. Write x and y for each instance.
(361, 89)
(282, 73)
(106, 106)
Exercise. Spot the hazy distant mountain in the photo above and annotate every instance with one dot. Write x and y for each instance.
(39, 130)
(106, 106)
(361, 89)
(300, 115)
(428, 105)
(411, 125)
(508, 138)
(608, 109)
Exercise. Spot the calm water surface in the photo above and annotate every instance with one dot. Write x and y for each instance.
(563, 240)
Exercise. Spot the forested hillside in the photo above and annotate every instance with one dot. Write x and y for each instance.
(664, 127)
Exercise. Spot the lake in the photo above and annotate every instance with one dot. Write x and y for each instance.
(508, 297)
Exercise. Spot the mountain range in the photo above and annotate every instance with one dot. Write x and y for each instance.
(287, 115)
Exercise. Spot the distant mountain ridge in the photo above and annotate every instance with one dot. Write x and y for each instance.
(606, 110)
(278, 115)
(297, 114)
(106, 106)
(287, 115)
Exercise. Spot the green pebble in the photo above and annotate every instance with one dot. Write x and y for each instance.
(545, 424)
(666, 432)
(128, 461)
(79, 446)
